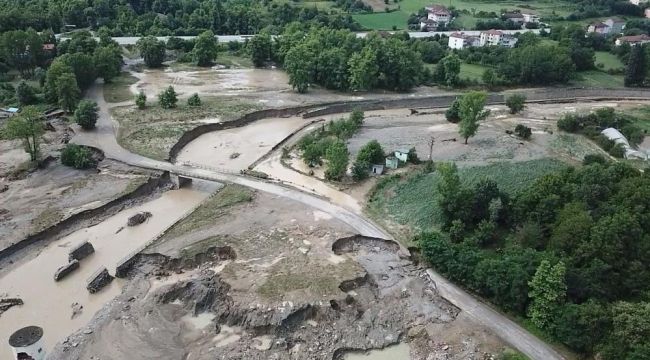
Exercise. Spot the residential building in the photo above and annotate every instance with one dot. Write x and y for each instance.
(392, 162)
(497, 38)
(598, 28)
(439, 14)
(609, 26)
(402, 155)
(531, 18)
(515, 17)
(460, 41)
(615, 25)
(428, 25)
(633, 40)
(377, 169)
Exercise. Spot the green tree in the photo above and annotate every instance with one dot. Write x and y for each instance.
(83, 68)
(515, 103)
(205, 49)
(86, 114)
(108, 61)
(337, 160)
(152, 51)
(68, 92)
(363, 69)
(298, 64)
(28, 127)
(168, 99)
(76, 156)
(56, 70)
(547, 293)
(371, 153)
(360, 170)
(635, 71)
(260, 47)
(448, 70)
(25, 94)
(194, 100)
(471, 111)
(141, 100)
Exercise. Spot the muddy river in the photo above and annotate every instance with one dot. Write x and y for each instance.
(236, 149)
(49, 304)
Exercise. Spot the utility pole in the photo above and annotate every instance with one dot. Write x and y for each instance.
(430, 142)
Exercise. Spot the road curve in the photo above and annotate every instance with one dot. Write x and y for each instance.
(103, 137)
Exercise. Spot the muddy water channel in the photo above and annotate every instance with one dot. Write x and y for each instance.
(396, 352)
(49, 304)
(235, 149)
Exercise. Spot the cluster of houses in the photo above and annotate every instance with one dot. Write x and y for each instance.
(492, 37)
(439, 16)
(392, 161)
(616, 26)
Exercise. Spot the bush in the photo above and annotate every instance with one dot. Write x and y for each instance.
(86, 114)
(141, 100)
(76, 156)
(617, 151)
(593, 159)
(337, 160)
(569, 123)
(523, 131)
(25, 94)
(412, 156)
(194, 100)
(452, 114)
(515, 103)
(168, 98)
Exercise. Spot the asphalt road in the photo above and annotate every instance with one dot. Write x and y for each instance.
(104, 138)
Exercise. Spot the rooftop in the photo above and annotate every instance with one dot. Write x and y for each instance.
(438, 9)
(635, 38)
(493, 32)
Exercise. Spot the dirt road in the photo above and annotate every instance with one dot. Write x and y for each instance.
(104, 138)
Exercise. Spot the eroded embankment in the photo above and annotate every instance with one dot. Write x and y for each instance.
(190, 313)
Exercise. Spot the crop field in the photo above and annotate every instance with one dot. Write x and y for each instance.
(411, 200)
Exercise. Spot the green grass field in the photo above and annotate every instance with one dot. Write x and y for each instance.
(411, 200)
(597, 78)
(609, 60)
(472, 72)
(642, 113)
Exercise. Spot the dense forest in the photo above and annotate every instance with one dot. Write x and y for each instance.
(163, 17)
(570, 252)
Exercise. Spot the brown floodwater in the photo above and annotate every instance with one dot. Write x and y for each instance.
(48, 304)
(237, 148)
(395, 352)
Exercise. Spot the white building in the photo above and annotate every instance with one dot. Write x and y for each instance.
(530, 18)
(27, 344)
(638, 2)
(497, 38)
(439, 14)
(460, 41)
